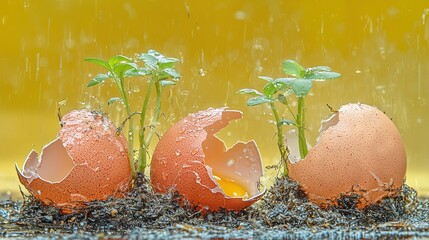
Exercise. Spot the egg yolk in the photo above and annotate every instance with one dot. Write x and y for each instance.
(230, 187)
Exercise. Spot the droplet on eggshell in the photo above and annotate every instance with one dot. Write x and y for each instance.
(359, 150)
(205, 173)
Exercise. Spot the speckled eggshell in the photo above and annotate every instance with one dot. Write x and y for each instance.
(180, 162)
(362, 153)
(90, 158)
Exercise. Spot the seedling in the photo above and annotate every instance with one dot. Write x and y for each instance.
(158, 70)
(278, 90)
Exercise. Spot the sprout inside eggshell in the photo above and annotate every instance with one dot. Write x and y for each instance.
(359, 150)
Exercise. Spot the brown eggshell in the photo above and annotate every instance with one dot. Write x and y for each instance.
(359, 151)
(88, 161)
(188, 152)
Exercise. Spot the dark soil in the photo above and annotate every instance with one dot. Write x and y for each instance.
(284, 212)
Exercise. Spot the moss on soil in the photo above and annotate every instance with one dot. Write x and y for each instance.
(283, 212)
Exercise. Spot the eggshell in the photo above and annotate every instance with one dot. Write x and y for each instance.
(187, 154)
(359, 150)
(88, 161)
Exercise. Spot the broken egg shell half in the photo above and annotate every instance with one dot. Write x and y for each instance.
(189, 153)
(88, 161)
(359, 150)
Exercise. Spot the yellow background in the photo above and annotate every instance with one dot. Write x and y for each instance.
(380, 47)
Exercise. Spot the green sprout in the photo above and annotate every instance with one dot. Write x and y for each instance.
(278, 90)
(159, 72)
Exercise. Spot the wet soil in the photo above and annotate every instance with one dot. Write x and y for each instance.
(284, 212)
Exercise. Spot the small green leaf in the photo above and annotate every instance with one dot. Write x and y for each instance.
(155, 54)
(165, 83)
(99, 62)
(136, 72)
(249, 91)
(282, 98)
(147, 57)
(114, 99)
(113, 61)
(286, 122)
(172, 73)
(320, 69)
(149, 60)
(258, 100)
(123, 67)
(276, 85)
(268, 79)
(293, 68)
(269, 89)
(301, 87)
(282, 83)
(322, 75)
(98, 79)
(164, 63)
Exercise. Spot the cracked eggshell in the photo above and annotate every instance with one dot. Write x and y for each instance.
(359, 150)
(88, 161)
(189, 152)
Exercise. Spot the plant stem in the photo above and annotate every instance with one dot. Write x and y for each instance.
(283, 150)
(156, 113)
(141, 162)
(291, 113)
(130, 124)
(303, 150)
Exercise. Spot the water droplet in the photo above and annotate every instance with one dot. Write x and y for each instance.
(177, 152)
(194, 151)
(230, 162)
(164, 175)
(240, 15)
(202, 72)
(178, 139)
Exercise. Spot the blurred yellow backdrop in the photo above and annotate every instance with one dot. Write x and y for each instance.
(380, 47)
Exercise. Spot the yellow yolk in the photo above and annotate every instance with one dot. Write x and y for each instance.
(230, 187)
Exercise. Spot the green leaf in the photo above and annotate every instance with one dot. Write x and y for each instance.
(258, 100)
(286, 122)
(293, 68)
(123, 67)
(320, 69)
(282, 98)
(269, 89)
(114, 99)
(99, 62)
(155, 54)
(268, 79)
(113, 61)
(322, 75)
(164, 63)
(98, 79)
(136, 72)
(172, 73)
(282, 83)
(301, 87)
(149, 60)
(249, 91)
(165, 83)
(276, 85)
